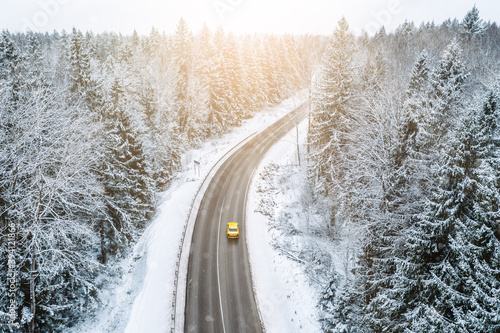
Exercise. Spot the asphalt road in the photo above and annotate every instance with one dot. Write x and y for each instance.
(219, 295)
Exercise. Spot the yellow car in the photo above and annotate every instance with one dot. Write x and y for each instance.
(233, 231)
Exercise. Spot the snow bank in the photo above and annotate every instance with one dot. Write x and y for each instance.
(287, 301)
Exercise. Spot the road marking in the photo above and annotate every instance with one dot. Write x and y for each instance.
(218, 270)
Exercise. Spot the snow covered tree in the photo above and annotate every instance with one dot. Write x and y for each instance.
(293, 64)
(374, 74)
(343, 312)
(472, 24)
(449, 278)
(408, 159)
(331, 111)
(279, 58)
(366, 204)
(341, 305)
(428, 260)
(218, 97)
(128, 187)
(48, 191)
(447, 85)
(153, 40)
(205, 50)
(225, 82)
(233, 72)
(163, 152)
(266, 65)
(79, 65)
(406, 29)
(255, 81)
(9, 55)
(135, 39)
(182, 63)
(10, 91)
(328, 133)
(9, 61)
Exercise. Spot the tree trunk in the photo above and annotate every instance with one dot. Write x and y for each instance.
(33, 265)
(298, 149)
(103, 243)
(32, 290)
(308, 142)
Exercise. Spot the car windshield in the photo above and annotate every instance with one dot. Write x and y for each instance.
(233, 229)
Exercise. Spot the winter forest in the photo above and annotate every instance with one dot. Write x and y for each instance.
(92, 126)
(402, 158)
(403, 141)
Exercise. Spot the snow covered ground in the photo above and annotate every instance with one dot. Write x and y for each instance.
(141, 298)
(291, 255)
(285, 296)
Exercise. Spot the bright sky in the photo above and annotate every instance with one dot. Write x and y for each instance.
(239, 16)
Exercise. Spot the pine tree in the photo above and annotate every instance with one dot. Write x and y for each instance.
(182, 63)
(447, 85)
(128, 187)
(233, 75)
(79, 66)
(374, 74)
(10, 92)
(254, 96)
(205, 51)
(408, 157)
(472, 24)
(330, 114)
(450, 277)
(9, 55)
(9, 61)
(271, 69)
(406, 29)
(330, 124)
(163, 150)
(292, 64)
(219, 103)
(153, 40)
(280, 59)
(135, 39)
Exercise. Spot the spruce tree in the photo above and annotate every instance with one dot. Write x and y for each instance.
(266, 58)
(472, 24)
(162, 146)
(233, 76)
(292, 63)
(450, 276)
(330, 124)
(219, 104)
(205, 51)
(447, 86)
(128, 187)
(9, 55)
(256, 95)
(79, 66)
(182, 63)
(374, 74)
(10, 58)
(330, 115)
(408, 157)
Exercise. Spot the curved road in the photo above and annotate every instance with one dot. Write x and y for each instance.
(219, 295)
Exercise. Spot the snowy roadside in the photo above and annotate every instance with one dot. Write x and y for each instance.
(141, 298)
(290, 256)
